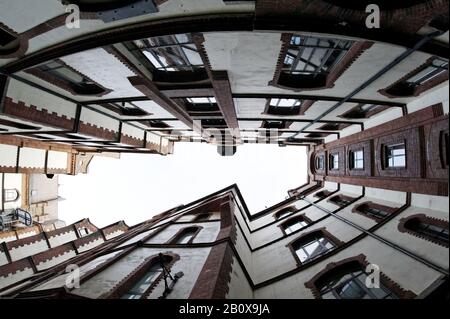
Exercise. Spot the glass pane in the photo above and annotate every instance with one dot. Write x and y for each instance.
(185, 238)
(351, 290)
(193, 57)
(302, 255)
(157, 63)
(182, 38)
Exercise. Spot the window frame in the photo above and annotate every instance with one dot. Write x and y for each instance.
(309, 237)
(65, 82)
(197, 74)
(403, 227)
(285, 211)
(333, 161)
(341, 200)
(357, 112)
(288, 81)
(349, 264)
(400, 88)
(386, 147)
(320, 158)
(302, 218)
(353, 159)
(359, 209)
(125, 284)
(7, 192)
(192, 230)
(294, 110)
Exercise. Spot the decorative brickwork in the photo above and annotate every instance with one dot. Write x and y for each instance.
(422, 133)
(35, 115)
(404, 227)
(358, 262)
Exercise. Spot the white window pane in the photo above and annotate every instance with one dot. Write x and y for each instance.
(182, 38)
(193, 57)
(154, 61)
(302, 255)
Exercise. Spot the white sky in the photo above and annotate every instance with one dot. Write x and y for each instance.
(137, 186)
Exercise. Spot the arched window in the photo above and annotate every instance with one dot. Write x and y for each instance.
(59, 73)
(284, 212)
(295, 223)
(347, 280)
(144, 282)
(374, 211)
(428, 228)
(171, 58)
(313, 245)
(430, 74)
(201, 217)
(341, 200)
(10, 195)
(185, 235)
(322, 194)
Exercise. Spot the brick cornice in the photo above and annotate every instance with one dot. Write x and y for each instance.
(35, 115)
(52, 253)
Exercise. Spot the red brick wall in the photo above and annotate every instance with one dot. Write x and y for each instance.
(425, 171)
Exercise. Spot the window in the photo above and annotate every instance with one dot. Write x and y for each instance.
(374, 211)
(283, 107)
(83, 231)
(341, 200)
(185, 235)
(437, 67)
(269, 124)
(362, 111)
(312, 246)
(432, 229)
(356, 159)
(294, 224)
(171, 52)
(334, 126)
(143, 283)
(314, 56)
(285, 212)
(308, 62)
(320, 162)
(395, 155)
(202, 100)
(58, 72)
(351, 284)
(433, 72)
(126, 109)
(10, 195)
(322, 194)
(334, 161)
(202, 106)
(346, 279)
